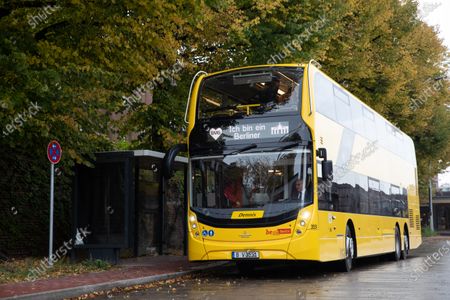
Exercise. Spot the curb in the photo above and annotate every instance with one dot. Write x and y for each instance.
(80, 290)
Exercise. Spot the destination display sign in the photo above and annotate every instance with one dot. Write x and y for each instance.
(251, 131)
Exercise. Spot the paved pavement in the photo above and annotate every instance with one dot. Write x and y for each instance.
(424, 275)
(130, 272)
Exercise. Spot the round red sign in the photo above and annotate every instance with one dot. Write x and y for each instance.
(54, 152)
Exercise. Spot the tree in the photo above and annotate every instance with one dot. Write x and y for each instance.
(395, 62)
(65, 67)
(382, 52)
(68, 69)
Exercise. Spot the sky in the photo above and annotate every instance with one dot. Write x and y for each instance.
(435, 13)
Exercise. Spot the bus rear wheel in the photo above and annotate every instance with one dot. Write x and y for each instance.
(398, 248)
(347, 263)
(405, 250)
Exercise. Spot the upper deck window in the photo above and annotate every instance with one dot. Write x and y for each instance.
(251, 92)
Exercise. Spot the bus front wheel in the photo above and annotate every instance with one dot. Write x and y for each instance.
(347, 263)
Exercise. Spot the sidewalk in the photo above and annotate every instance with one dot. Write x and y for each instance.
(444, 232)
(130, 272)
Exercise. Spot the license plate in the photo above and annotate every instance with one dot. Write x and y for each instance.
(245, 254)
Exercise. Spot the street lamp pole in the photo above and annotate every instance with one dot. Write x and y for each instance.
(430, 195)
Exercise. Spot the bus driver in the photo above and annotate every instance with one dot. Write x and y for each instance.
(299, 188)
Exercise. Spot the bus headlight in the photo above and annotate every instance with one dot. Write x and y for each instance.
(305, 215)
(193, 221)
(304, 218)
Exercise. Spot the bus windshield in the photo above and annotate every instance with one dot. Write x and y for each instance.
(251, 91)
(276, 182)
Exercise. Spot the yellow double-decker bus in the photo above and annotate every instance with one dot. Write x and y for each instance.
(286, 164)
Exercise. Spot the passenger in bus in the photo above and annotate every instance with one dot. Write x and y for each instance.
(233, 192)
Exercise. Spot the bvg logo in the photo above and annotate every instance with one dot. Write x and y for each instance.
(278, 231)
(256, 214)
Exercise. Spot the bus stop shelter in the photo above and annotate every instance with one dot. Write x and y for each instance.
(127, 209)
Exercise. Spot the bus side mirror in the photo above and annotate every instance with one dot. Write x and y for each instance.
(169, 159)
(322, 153)
(327, 165)
(327, 170)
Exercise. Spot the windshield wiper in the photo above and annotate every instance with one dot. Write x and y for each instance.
(251, 146)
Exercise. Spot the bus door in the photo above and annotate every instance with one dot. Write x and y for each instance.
(329, 242)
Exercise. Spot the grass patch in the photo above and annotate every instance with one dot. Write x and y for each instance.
(427, 232)
(18, 270)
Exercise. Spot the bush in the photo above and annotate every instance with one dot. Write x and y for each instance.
(97, 264)
(426, 232)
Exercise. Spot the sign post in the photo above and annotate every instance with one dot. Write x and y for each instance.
(54, 152)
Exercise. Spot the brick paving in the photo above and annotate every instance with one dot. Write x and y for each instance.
(127, 269)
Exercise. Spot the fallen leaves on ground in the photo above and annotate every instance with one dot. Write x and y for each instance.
(158, 285)
(19, 270)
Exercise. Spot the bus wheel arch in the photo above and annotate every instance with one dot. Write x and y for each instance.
(405, 242)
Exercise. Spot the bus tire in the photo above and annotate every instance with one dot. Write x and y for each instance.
(347, 263)
(406, 246)
(397, 247)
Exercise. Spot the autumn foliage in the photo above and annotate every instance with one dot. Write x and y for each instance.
(78, 59)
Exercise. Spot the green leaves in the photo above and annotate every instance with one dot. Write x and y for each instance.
(387, 57)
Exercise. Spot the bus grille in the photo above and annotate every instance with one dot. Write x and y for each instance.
(411, 219)
(417, 222)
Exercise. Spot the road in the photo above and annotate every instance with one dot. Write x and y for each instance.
(424, 275)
